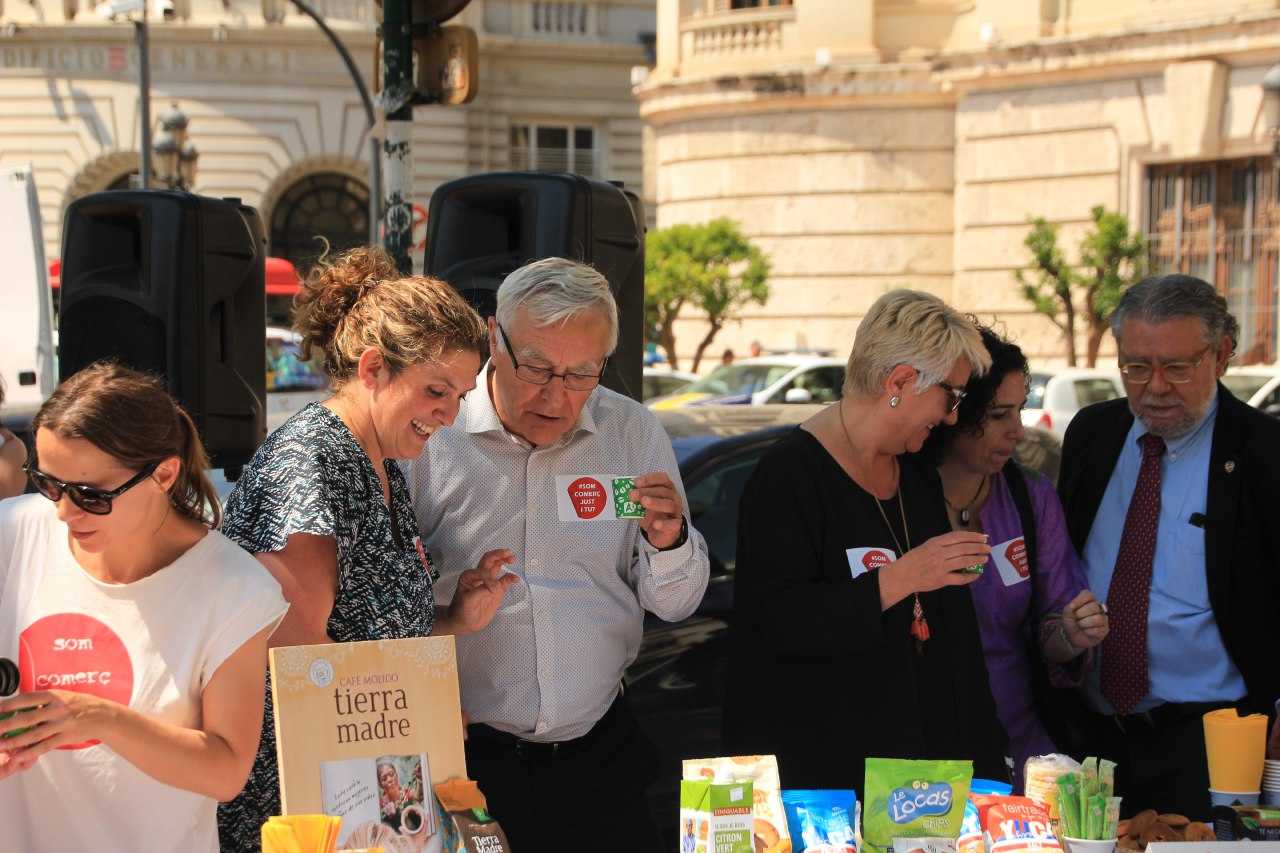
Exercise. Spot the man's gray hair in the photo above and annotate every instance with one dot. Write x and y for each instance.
(554, 291)
(1161, 298)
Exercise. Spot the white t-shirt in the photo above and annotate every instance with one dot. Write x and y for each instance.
(152, 645)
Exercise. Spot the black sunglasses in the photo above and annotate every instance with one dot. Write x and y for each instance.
(92, 500)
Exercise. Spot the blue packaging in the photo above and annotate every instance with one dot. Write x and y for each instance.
(822, 820)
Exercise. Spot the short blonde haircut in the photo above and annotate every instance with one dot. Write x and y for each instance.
(360, 300)
(913, 328)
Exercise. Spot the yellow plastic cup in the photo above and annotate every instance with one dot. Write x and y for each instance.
(1237, 748)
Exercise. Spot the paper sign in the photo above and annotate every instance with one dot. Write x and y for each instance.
(1011, 560)
(593, 497)
(863, 560)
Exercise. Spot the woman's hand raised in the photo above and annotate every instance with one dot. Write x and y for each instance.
(933, 565)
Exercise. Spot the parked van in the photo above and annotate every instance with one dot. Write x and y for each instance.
(27, 366)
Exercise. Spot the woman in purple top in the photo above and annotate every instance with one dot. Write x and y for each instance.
(972, 459)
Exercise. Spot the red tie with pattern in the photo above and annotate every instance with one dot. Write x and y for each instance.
(1124, 651)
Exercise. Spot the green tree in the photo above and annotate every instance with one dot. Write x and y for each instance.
(712, 267)
(1111, 259)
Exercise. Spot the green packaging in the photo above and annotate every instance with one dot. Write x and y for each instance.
(1113, 819)
(1069, 808)
(1106, 777)
(913, 799)
(715, 817)
(623, 506)
(1095, 818)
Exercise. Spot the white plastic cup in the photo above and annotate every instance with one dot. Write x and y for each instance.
(1231, 798)
(1084, 845)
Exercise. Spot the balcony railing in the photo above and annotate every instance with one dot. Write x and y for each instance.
(740, 32)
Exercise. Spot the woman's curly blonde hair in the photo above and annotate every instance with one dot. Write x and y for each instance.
(360, 300)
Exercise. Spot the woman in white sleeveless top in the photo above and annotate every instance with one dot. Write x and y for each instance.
(141, 633)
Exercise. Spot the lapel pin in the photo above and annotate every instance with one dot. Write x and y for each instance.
(1229, 466)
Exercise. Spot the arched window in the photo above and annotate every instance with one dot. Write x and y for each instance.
(323, 204)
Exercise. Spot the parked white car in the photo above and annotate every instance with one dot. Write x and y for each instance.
(659, 382)
(1055, 395)
(1257, 385)
(756, 381)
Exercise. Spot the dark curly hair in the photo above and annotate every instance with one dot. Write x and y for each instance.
(1006, 358)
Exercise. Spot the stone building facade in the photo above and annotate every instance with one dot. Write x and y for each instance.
(870, 145)
(275, 115)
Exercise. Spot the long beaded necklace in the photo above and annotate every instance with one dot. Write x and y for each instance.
(919, 624)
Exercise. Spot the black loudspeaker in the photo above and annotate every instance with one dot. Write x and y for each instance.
(481, 228)
(173, 284)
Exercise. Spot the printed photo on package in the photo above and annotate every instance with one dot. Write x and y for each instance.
(383, 802)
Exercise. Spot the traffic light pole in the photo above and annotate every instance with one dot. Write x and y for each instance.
(397, 93)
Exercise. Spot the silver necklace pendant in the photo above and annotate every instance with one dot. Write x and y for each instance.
(964, 516)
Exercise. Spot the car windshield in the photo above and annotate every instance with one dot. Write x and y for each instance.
(1244, 385)
(1035, 390)
(286, 371)
(734, 379)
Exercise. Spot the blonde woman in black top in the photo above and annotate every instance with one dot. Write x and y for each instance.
(854, 635)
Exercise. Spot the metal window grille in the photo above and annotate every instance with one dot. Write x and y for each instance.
(1221, 222)
(554, 148)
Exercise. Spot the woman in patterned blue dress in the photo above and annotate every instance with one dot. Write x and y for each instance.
(324, 504)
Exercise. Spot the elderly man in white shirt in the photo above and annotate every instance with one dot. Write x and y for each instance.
(551, 742)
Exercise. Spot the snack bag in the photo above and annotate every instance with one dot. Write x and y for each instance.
(821, 821)
(1018, 825)
(1041, 777)
(970, 840)
(770, 820)
(468, 827)
(924, 845)
(715, 818)
(913, 799)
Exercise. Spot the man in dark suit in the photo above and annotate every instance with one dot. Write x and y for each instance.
(1171, 497)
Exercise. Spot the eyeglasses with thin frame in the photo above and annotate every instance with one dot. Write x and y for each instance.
(1177, 372)
(542, 375)
(957, 395)
(91, 499)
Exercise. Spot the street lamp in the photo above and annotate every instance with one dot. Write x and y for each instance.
(175, 158)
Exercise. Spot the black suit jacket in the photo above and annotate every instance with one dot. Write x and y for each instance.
(1241, 531)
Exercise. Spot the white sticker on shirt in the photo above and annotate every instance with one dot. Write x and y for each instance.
(596, 497)
(863, 560)
(1011, 561)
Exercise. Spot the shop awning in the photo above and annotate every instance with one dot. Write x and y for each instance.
(282, 278)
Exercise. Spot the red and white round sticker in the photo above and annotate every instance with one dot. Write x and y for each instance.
(72, 651)
(588, 497)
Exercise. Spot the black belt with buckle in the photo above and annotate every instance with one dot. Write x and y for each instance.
(1163, 716)
(534, 750)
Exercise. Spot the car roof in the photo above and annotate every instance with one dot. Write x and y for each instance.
(662, 371)
(1078, 372)
(1255, 370)
(792, 360)
(723, 421)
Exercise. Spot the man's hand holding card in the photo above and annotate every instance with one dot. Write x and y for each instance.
(664, 511)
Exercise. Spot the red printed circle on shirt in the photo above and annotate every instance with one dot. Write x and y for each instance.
(588, 497)
(1016, 554)
(875, 560)
(72, 651)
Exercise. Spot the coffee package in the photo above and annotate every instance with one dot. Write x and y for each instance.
(468, 827)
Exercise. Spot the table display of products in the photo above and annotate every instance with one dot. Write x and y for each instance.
(936, 807)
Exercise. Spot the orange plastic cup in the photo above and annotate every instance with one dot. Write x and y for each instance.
(1237, 748)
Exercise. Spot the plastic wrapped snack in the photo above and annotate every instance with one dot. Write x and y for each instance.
(913, 799)
(1040, 776)
(769, 824)
(821, 821)
(1017, 825)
